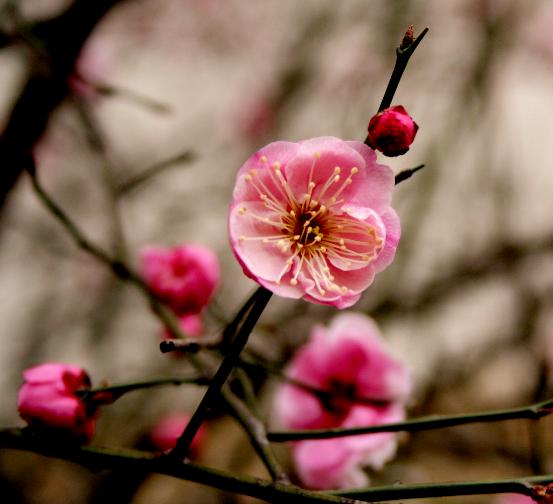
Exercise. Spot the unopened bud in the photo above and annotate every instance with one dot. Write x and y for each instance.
(392, 131)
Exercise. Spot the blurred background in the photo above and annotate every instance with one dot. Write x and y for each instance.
(170, 97)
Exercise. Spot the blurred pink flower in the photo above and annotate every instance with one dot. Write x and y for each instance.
(165, 433)
(392, 131)
(190, 323)
(48, 399)
(185, 277)
(91, 68)
(257, 118)
(350, 360)
(313, 219)
(514, 499)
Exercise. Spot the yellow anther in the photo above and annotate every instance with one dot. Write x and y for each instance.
(336, 179)
(242, 210)
(337, 170)
(292, 213)
(354, 170)
(306, 223)
(293, 281)
(341, 242)
(322, 292)
(317, 155)
(309, 229)
(311, 185)
(263, 159)
(253, 172)
(248, 178)
(276, 165)
(297, 237)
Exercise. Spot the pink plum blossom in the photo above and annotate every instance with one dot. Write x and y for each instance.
(368, 387)
(48, 399)
(313, 219)
(392, 131)
(165, 433)
(185, 277)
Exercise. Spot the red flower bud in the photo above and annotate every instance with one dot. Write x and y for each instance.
(48, 400)
(392, 131)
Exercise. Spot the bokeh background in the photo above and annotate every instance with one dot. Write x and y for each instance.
(202, 84)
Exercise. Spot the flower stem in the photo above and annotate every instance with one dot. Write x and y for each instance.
(534, 411)
(262, 297)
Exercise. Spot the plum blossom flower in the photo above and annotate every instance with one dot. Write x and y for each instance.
(313, 219)
(392, 131)
(165, 433)
(48, 400)
(367, 386)
(185, 277)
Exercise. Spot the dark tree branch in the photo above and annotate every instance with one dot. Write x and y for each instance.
(59, 41)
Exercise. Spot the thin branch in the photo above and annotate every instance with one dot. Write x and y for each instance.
(262, 297)
(534, 411)
(103, 458)
(133, 182)
(145, 462)
(119, 389)
(257, 434)
(188, 346)
(405, 174)
(402, 58)
(118, 267)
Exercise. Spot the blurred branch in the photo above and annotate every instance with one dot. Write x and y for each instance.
(103, 458)
(533, 412)
(405, 174)
(118, 267)
(62, 39)
(122, 388)
(262, 297)
(501, 258)
(257, 434)
(132, 183)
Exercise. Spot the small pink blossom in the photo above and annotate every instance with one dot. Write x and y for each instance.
(185, 277)
(392, 131)
(313, 219)
(368, 386)
(165, 433)
(48, 399)
(191, 325)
